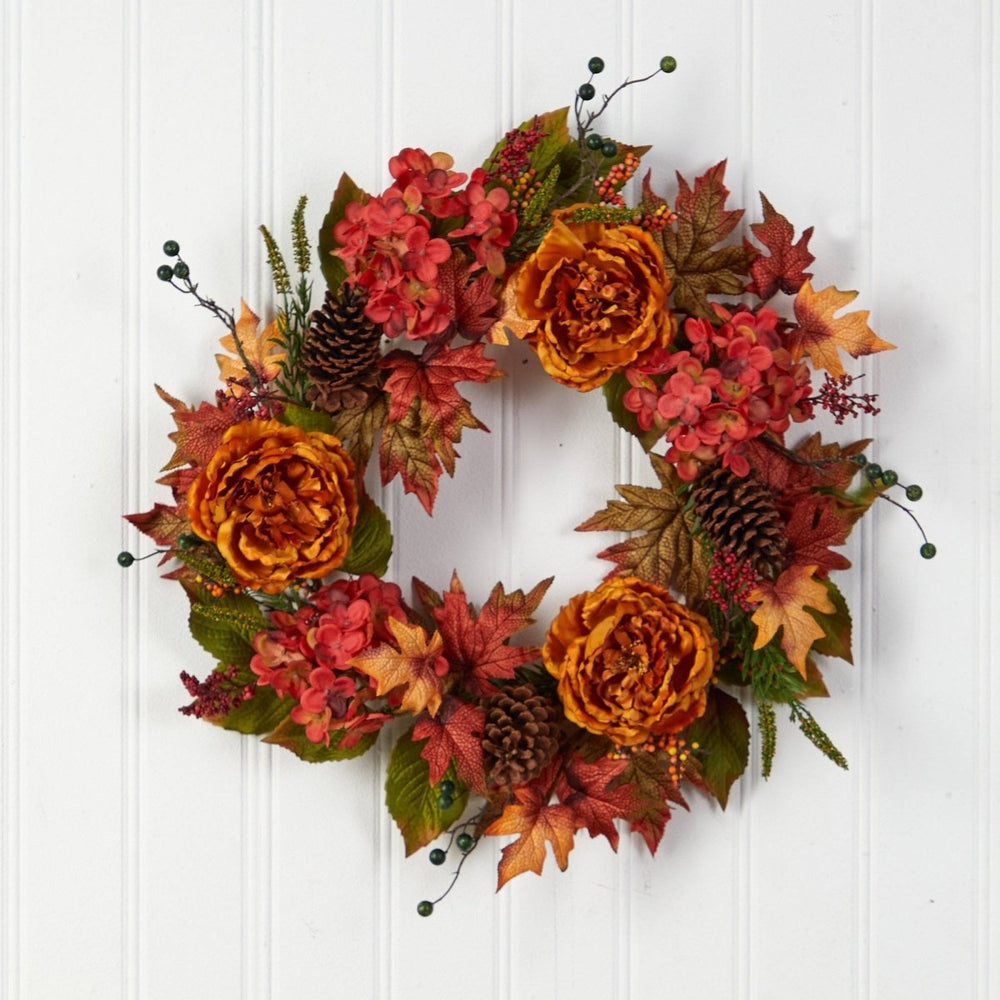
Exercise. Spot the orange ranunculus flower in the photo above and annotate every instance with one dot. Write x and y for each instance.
(597, 296)
(631, 662)
(278, 502)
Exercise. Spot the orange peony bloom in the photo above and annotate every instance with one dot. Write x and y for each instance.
(279, 503)
(631, 662)
(597, 296)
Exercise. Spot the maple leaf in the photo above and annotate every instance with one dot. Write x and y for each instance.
(199, 432)
(783, 604)
(163, 524)
(665, 553)
(816, 522)
(356, 427)
(651, 788)
(536, 825)
(403, 451)
(417, 665)
(477, 644)
(454, 735)
(471, 299)
(263, 350)
(784, 269)
(820, 335)
(427, 414)
(586, 788)
(693, 260)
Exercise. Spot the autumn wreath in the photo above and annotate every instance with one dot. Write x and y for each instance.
(722, 594)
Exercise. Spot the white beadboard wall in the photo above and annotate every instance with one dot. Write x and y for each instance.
(147, 856)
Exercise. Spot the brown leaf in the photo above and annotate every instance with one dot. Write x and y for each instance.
(665, 553)
(694, 261)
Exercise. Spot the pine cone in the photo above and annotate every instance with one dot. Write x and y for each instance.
(738, 513)
(341, 351)
(520, 736)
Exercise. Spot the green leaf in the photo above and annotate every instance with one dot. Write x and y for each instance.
(226, 627)
(723, 733)
(371, 543)
(411, 799)
(836, 640)
(548, 150)
(614, 392)
(292, 736)
(333, 267)
(308, 420)
(261, 714)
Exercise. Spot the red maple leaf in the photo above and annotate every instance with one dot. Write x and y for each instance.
(455, 734)
(821, 520)
(163, 524)
(199, 432)
(536, 823)
(784, 269)
(586, 789)
(427, 414)
(477, 644)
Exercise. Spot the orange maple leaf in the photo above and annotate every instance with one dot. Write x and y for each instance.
(783, 605)
(416, 665)
(819, 334)
(536, 824)
(262, 349)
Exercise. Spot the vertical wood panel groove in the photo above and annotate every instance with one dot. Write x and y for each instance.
(505, 478)
(131, 435)
(742, 861)
(863, 820)
(384, 895)
(10, 612)
(256, 857)
(985, 589)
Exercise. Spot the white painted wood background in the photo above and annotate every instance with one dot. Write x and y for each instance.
(145, 855)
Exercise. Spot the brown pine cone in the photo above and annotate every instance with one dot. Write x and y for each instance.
(520, 737)
(341, 351)
(738, 513)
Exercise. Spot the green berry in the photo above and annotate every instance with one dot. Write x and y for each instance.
(438, 856)
(181, 270)
(873, 471)
(596, 65)
(446, 787)
(890, 477)
(594, 141)
(859, 460)
(914, 492)
(425, 907)
(668, 64)
(125, 559)
(928, 550)
(586, 91)
(164, 272)
(171, 248)
(609, 148)
(445, 802)
(464, 842)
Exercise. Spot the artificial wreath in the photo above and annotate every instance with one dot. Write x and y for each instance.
(721, 595)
